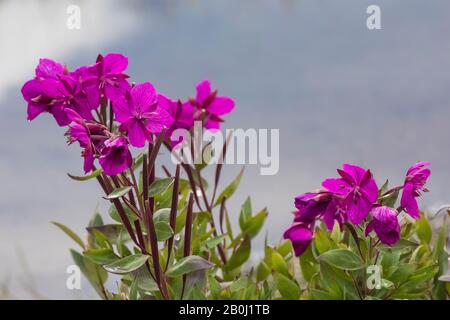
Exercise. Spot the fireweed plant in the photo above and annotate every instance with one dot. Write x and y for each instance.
(356, 241)
(172, 237)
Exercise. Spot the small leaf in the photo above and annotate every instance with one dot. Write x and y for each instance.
(262, 272)
(254, 224)
(110, 231)
(288, 288)
(240, 256)
(440, 242)
(163, 230)
(119, 192)
(342, 259)
(279, 264)
(390, 199)
(402, 273)
(162, 215)
(322, 242)
(70, 233)
(127, 264)
(246, 213)
(285, 248)
(159, 186)
(144, 279)
(213, 242)
(187, 265)
(307, 264)
(101, 256)
(230, 189)
(94, 174)
(423, 229)
(116, 217)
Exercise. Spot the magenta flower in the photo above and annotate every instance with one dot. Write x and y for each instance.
(54, 91)
(37, 91)
(107, 76)
(116, 156)
(415, 181)
(139, 114)
(90, 135)
(210, 107)
(385, 224)
(311, 205)
(321, 204)
(300, 235)
(181, 113)
(356, 188)
(49, 69)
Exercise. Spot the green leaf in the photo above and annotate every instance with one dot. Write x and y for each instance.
(390, 199)
(262, 271)
(110, 231)
(307, 264)
(288, 288)
(159, 186)
(423, 229)
(163, 230)
(144, 280)
(101, 256)
(240, 256)
(322, 295)
(246, 213)
(94, 174)
(285, 248)
(230, 189)
(127, 264)
(162, 215)
(137, 161)
(94, 273)
(119, 192)
(440, 242)
(342, 259)
(322, 241)
(383, 188)
(253, 225)
(70, 233)
(238, 285)
(116, 217)
(96, 220)
(402, 273)
(187, 265)
(279, 264)
(213, 242)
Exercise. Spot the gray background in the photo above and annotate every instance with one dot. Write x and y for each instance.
(337, 91)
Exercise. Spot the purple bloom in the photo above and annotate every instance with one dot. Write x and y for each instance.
(37, 91)
(181, 113)
(356, 188)
(300, 235)
(91, 137)
(311, 205)
(54, 91)
(210, 107)
(385, 224)
(107, 76)
(139, 114)
(116, 156)
(416, 177)
(335, 212)
(320, 204)
(49, 69)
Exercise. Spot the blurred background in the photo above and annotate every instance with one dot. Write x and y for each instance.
(337, 91)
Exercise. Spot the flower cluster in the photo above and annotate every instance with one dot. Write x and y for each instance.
(79, 99)
(354, 198)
